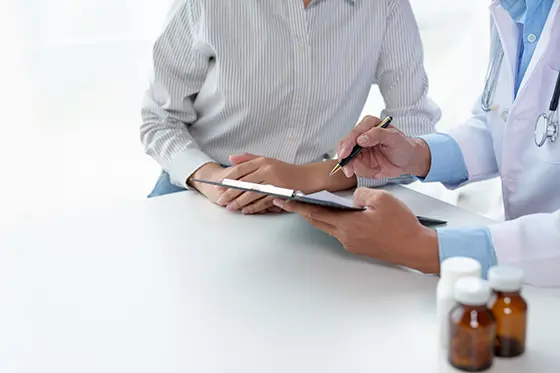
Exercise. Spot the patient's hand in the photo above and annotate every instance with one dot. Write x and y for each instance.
(260, 170)
(210, 172)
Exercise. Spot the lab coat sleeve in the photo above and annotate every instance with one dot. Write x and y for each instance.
(179, 71)
(532, 243)
(477, 148)
(402, 80)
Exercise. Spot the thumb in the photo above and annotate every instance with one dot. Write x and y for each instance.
(365, 197)
(242, 158)
(376, 136)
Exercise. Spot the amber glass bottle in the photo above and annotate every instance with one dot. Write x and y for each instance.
(509, 309)
(472, 327)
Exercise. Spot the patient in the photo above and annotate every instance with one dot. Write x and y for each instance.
(262, 91)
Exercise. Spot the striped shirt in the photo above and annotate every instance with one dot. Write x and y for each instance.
(279, 80)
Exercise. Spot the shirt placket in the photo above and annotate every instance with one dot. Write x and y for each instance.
(302, 73)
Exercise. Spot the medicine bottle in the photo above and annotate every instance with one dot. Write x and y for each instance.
(472, 327)
(509, 309)
(451, 270)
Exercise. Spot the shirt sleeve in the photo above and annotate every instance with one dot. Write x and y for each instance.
(447, 163)
(474, 243)
(402, 80)
(179, 71)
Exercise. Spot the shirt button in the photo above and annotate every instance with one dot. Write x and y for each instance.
(505, 115)
(531, 38)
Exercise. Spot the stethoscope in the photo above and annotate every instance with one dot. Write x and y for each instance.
(546, 125)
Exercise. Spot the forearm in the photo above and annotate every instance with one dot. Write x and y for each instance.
(316, 178)
(179, 71)
(204, 172)
(171, 145)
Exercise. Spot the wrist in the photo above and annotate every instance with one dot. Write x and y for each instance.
(205, 172)
(422, 158)
(316, 177)
(427, 250)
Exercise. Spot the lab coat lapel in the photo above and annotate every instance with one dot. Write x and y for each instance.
(542, 44)
(509, 36)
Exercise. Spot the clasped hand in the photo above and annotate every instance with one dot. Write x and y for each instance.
(253, 169)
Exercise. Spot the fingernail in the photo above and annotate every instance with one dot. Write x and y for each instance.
(245, 211)
(278, 202)
(221, 201)
(346, 171)
(363, 139)
(231, 207)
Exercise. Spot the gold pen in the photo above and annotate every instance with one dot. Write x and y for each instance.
(357, 149)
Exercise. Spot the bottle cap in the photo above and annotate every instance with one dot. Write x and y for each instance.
(472, 291)
(503, 278)
(459, 266)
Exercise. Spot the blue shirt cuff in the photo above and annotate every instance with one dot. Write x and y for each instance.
(447, 164)
(474, 243)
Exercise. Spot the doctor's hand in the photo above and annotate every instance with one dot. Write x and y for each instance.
(387, 152)
(387, 230)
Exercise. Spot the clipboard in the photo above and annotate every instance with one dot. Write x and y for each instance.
(322, 198)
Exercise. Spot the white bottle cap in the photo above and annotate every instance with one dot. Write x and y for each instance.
(472, 291)
(460, 266)
(502, 278)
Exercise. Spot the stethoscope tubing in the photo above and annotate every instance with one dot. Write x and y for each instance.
(490, 83)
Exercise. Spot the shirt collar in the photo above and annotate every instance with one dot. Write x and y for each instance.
(515, 8)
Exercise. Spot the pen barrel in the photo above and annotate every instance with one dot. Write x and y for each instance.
(355, 150)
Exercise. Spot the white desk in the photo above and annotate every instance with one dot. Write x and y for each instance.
(175, 284)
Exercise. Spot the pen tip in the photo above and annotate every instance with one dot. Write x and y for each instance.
(334, 170)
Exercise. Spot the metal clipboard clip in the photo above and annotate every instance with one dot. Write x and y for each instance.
(263, 188)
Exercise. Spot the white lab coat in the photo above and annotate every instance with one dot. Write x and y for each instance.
(500, 142)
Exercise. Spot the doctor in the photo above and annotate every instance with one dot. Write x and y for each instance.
(512, 134)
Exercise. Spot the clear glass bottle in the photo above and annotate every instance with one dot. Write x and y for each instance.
(451, 270)
(509, 309)
(472, 327)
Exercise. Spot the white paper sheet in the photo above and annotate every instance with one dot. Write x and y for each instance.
(330, 197)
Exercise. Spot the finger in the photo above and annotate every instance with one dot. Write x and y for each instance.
(325, 227)
(242, 158)
(275, 210)
(244, 200)
(365, 164)
(238, 171)
(365, 170)
(260, 205)
(231, 194)
(375, 136)
(367, 122)
(386, 168)
(345, 146)
(348, 170)
(309, 212)
(372, 198)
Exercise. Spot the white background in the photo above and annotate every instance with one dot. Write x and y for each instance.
(73, 73)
